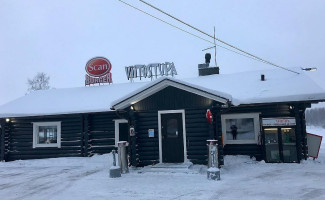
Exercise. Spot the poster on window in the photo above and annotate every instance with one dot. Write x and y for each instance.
(240, 129)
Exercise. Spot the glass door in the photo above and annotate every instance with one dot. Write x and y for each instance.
(272, 145)
(280, 145)
(289, 145)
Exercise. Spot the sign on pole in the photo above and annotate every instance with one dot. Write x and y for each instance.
(313, 142)
(150, 71)
(98, 71)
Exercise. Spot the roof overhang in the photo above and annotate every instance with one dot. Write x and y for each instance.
(151, 89)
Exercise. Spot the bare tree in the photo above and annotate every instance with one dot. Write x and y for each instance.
(39, 82)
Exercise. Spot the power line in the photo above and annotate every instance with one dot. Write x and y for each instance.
(188, 32)
(234, 47)
(253, 58)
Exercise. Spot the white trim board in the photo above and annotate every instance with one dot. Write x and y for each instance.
(117, 129)
(123, 103)
(159, 131)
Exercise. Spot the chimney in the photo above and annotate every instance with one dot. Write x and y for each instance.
(207, 58)
(205, 70)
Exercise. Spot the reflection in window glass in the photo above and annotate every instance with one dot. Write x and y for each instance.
(288, 135)
(240, 129)
(289, 145)
(172, 129)
(47, 135)
(272, 145)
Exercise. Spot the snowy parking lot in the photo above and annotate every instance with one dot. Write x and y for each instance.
(88, 178)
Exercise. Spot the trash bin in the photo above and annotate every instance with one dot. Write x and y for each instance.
(114, 171)
(123, 156)
(212, 153)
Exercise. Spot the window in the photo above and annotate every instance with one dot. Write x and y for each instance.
(240, 128)
(47, 134)
(172, 128)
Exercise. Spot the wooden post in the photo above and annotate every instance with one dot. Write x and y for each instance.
(2, 141)
(218, 132)
(298, 132)
(133, 140)
(304, 135)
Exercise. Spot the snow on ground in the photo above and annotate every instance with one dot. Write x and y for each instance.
(88, 178)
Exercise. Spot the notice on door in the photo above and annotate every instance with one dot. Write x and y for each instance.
(279, 121)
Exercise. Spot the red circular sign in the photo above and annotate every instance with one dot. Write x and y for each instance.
(98, 66)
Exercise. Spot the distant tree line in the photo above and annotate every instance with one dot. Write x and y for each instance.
(315, 117)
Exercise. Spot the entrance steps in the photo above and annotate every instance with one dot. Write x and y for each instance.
(187, 168)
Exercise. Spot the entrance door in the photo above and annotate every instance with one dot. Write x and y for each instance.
(280, 144)
(172, 138)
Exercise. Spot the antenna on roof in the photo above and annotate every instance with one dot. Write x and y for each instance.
(215, 46)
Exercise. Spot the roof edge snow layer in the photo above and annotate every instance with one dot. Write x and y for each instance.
(244, 88)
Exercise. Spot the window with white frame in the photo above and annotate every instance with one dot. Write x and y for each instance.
(47, 134)
(240, 128)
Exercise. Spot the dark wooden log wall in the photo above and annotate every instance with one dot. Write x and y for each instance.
(101, 133)
(2, 140)
(20, 141)
(81, 135)
(147, 149)
(197, 128)
(197, 132)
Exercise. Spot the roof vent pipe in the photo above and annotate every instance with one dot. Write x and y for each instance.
(262, 77)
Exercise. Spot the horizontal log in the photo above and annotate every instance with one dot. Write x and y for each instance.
(24, 157)
(98, 142)
(143, 163)
(148, 157)
(15, 148)
(203, 134)
(39, 151)
(197, 157)
(197, 152)
(199, 162)
(71, 143)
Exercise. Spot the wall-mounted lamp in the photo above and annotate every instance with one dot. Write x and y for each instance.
(309, 69)
(132, 107)
(291, 107)
(7, 120)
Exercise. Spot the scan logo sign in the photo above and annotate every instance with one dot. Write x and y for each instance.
(98, 71)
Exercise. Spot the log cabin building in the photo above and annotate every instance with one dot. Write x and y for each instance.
(259, 113)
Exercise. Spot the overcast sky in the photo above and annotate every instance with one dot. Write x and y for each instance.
(58, 37)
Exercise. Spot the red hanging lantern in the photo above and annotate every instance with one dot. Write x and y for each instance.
(209, 116)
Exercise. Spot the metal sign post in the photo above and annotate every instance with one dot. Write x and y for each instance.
(213, 172)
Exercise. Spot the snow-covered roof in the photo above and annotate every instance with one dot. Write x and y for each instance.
(67, 100)
(239, 88)
(279, 86)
